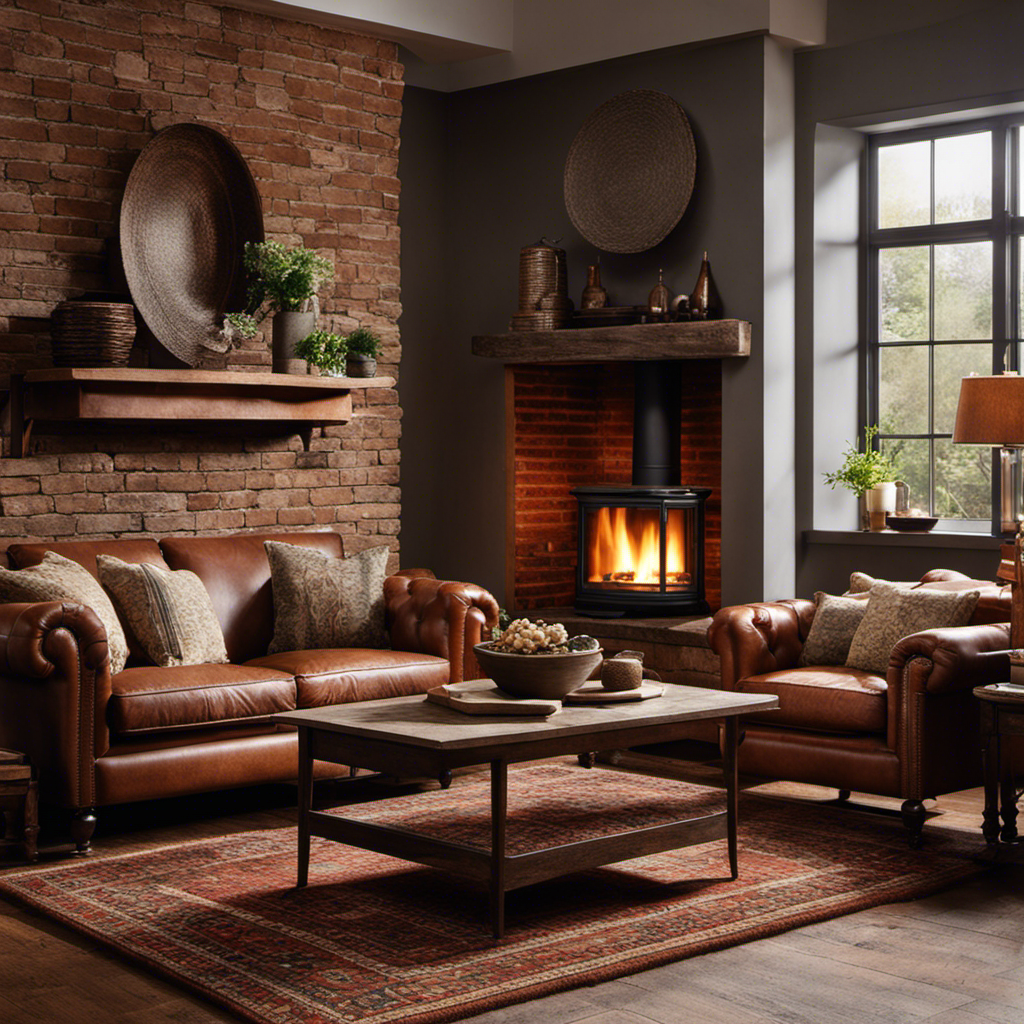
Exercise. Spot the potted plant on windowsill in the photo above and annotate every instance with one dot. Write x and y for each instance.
(871, 475)
(323, 351)
(362, 347)
(283, 281)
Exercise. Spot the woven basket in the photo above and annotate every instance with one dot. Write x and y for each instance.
(544, 302)
(630, 171)
(92, 333)
(190, 205)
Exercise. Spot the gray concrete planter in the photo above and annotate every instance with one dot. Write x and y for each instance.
(287, 330)
(360, 366)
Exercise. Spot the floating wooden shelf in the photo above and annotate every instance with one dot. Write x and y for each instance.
(47, 399)
(694, 339)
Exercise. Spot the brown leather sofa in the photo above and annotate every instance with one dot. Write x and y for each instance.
(149, 732)
(912, 735)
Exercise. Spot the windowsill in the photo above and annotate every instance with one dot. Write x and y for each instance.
(932, 539)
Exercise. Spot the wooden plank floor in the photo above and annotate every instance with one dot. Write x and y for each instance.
(954, 958)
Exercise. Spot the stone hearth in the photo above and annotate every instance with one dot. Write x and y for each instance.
(677, 649)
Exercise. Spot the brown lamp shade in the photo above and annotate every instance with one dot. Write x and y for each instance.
(991, 411)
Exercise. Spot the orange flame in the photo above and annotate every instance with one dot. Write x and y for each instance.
(624, 544)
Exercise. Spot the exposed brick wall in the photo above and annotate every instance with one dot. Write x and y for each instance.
(316, 114)
(574, 425)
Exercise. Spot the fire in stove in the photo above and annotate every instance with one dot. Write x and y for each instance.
(640, 550)
(624, 548)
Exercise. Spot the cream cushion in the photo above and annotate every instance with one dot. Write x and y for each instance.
(169, 611)
(57, 578)
(325, 602)
(894, 612)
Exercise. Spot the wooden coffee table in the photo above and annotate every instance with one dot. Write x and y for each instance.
(407, 736)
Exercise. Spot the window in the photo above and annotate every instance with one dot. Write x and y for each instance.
(944, 266)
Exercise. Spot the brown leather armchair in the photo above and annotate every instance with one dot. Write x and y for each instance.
(912, 734)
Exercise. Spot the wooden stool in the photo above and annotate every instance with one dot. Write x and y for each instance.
(19, 802)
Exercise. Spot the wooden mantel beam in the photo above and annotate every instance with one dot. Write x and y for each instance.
(695, 339)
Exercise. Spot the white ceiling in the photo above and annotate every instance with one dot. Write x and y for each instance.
(463, 43)
(459, 44)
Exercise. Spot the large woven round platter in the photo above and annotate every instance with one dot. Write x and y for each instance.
(189, 207)
(630, 171)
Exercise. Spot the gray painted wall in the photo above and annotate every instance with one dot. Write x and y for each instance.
(501, 150)
(481, 173)
(963, 63)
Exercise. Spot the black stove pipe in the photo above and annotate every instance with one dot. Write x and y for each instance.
(657, 407)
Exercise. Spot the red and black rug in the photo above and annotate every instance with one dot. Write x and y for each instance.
(376, 940)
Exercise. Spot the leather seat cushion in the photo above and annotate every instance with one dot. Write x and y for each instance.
(829, 699)
(152, 699)
(341, 675)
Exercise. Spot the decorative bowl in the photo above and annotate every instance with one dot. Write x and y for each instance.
(911, 524)
(548, 676)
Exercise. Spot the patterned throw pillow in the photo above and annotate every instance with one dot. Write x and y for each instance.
(169, 611)
(57, 578)
(321, 601)
(894, 612)
(832, 629)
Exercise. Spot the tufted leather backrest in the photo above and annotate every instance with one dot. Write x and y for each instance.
(236, 574)
(133, 550)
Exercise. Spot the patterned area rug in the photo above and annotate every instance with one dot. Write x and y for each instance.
(376, 940)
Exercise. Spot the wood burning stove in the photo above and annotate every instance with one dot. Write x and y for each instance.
(640, 548)
(641, 551)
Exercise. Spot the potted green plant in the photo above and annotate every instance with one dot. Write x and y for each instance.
(323, 350)
(363, 347)
(870, 474)
(283, 281)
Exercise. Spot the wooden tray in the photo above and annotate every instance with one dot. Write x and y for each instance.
(482, 697)
(594, 693)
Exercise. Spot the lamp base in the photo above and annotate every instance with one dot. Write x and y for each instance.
(1011, 481)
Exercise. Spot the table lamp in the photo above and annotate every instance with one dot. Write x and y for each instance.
(991, 412)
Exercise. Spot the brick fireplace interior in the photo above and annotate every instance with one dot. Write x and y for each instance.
(572, 425)
(315, 113)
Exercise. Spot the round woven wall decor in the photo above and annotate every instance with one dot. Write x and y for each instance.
(630, 171)
(190, 205)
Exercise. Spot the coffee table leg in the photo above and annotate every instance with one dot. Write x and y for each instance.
(305, 804)
(499, 808)
(731, 789)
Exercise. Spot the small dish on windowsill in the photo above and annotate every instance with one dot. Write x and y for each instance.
(908, 522)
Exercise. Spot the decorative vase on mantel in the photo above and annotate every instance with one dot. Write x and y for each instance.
(287, 330)
(705, 302)
(594, 296)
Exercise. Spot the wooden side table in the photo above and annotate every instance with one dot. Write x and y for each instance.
(19, 802)
(1002, 714)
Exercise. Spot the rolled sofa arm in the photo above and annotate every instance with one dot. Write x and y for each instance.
(440, 617)
(750, 639)
(956, 658)
(932, 713)
(54, 689)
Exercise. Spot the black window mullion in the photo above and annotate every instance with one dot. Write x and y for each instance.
(931, 357)
(870, 256)
(1001, 262)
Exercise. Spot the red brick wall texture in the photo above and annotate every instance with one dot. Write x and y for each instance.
(574, 425)
(316, 114)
